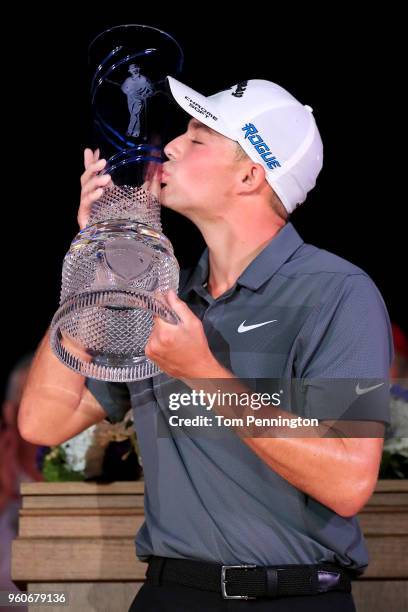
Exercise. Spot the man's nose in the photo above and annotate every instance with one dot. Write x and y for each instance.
(168, 150)
(172, 148)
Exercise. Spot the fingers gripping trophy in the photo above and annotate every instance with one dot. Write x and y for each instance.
(120, 264)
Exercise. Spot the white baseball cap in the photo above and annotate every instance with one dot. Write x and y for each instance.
(272, 127)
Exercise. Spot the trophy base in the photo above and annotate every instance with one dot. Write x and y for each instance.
(102, 334)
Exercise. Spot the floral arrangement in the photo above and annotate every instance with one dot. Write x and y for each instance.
(103, 452)
(394, 463)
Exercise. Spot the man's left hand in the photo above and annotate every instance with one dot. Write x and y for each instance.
(180, 350)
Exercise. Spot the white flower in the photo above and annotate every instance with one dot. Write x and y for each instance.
(396, 440)
(76, 449)
(85, 452)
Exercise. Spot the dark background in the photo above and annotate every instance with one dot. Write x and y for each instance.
(340, 67)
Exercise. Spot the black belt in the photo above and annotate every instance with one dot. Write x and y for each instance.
(249, 581)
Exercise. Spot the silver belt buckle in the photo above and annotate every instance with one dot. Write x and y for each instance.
(224, 581)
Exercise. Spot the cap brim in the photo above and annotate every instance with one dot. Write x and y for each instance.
(198, 106)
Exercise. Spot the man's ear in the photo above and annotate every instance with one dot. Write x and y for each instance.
(251, 177)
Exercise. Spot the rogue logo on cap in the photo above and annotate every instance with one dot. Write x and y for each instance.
(260, 146)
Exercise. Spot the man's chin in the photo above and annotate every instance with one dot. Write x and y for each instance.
(164, 199)
(167, 201)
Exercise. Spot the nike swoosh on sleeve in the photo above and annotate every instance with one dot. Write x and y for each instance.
(360, 391)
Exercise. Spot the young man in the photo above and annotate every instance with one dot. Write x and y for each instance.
(260, 304)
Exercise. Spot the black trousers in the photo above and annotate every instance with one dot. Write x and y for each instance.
(168, 597)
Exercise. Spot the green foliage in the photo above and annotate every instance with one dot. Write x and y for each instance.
(55, 468)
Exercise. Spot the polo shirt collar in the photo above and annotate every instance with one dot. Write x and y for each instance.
(279, 249)
(271, 258)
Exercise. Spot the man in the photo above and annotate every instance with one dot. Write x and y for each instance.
(261, 305)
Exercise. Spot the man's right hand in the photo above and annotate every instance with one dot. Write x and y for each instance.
(92, 184)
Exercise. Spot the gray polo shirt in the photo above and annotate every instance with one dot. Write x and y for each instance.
(215, 499)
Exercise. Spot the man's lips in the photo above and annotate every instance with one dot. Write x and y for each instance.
(164, 179)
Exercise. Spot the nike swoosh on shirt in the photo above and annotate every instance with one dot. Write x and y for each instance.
(360, 391)
(244, 328)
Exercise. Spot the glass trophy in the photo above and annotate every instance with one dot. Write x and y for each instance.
(118, 267)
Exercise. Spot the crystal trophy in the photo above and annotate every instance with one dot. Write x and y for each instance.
(118, 267)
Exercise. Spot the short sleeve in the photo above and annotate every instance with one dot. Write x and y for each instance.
(347, 357)
(113, 397)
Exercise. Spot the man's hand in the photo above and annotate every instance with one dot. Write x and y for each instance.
(181, 350)
(92, 184)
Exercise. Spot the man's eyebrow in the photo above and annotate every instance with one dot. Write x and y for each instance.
(195, 125)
